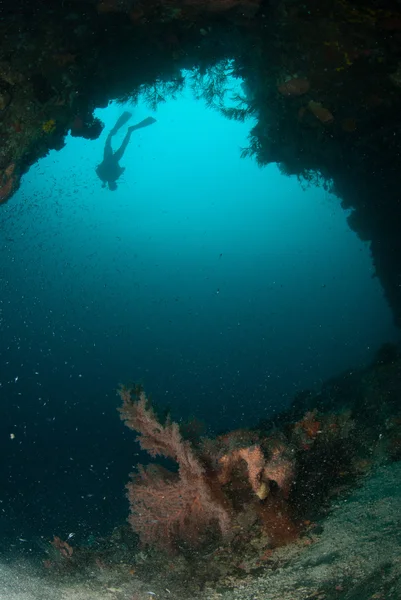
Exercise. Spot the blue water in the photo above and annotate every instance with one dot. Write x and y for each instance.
(222, 287)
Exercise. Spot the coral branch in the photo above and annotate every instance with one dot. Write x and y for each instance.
(157, 439)
(165, 509)
(260, 470)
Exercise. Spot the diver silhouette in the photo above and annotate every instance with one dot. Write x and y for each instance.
(109, 170)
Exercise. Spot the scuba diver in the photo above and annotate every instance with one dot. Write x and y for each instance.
(109, 170)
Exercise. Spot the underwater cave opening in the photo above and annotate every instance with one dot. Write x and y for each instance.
(225, 288)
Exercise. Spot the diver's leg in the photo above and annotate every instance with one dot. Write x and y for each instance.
(120, 152)
(144, 123)
(122, 120)
(108, 150)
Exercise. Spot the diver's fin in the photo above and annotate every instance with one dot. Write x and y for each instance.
(143, 123)
(122, 120)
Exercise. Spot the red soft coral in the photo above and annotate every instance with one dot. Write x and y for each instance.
(171, 507)
(167, 507)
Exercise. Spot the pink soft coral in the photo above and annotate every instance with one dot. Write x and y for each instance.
(165, 506)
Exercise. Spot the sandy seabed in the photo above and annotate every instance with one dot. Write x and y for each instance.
(356, 557)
